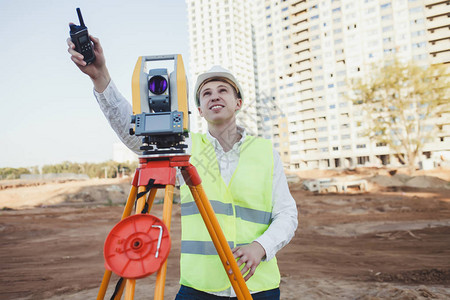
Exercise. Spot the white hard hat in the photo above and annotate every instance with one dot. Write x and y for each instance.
(220, 73)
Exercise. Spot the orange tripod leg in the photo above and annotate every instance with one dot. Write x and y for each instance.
(193, 180)
(126, 212)
(151, 198)
(131, 283)
(220, 242)
(167, 217)
(129, 289)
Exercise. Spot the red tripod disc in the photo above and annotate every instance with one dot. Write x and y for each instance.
(137, 246)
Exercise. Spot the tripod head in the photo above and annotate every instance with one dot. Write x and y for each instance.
(160, 105)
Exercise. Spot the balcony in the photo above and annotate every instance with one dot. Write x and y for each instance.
(300, 35)
(300, 20)
(439, 46)
(299, 5)
(306, 105)
(438, 22)
(308, 114)
(439, 58)
(436, 10)
(437, 34)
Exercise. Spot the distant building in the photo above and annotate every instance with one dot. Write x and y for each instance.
(297, 57)
(437, 22)
(220, 33)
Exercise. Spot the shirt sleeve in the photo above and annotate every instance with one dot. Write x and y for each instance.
(118, 111)
(284, 213)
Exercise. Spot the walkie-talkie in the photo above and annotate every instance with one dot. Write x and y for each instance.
(80, 37)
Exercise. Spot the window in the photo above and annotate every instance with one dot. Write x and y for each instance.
(415, 9)
(370, 10)
(360, 146)
(418, 33)
(419, 45)
(418, 21)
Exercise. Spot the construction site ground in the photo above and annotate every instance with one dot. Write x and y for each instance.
(390, 242)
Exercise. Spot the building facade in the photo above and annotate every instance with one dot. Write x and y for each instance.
(220, 33)
(302, 55)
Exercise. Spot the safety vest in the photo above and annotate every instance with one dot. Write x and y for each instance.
(243, 209)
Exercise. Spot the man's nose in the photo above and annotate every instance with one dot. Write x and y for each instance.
(214, 96)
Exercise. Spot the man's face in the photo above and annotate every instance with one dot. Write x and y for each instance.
(218, 103)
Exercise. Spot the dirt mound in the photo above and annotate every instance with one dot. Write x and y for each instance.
(426, 276)
(400, 180)
(427, 182)
(386, 243)
(401, 293)
(386, 181)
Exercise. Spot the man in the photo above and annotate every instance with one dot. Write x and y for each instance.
(243, 178)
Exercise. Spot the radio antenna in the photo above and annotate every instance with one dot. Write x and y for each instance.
(80, 17)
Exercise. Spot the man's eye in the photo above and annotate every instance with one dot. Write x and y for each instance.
(206, 93)
(223, 90)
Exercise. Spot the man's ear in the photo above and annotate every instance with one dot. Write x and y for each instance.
(200, 111)
(238, 104)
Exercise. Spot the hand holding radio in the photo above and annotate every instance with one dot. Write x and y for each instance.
(80, 37)
(88, 56)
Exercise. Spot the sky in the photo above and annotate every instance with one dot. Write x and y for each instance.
(48, 113)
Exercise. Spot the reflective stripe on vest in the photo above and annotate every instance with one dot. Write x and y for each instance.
(243, 209)
(248, 214)
(203, 248)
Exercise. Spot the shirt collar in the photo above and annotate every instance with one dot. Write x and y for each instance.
(236, 146)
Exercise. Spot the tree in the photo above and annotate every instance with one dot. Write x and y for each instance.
(402, 103)
(12, 173)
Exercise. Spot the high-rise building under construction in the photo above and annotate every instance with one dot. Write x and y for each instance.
(297, 57)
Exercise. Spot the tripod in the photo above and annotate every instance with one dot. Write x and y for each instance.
(160, 171)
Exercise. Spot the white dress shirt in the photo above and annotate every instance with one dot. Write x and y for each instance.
(118, 111)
